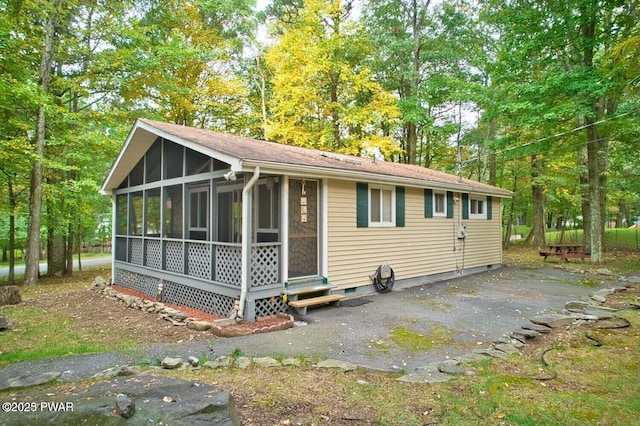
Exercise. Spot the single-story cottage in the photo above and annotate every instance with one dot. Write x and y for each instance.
(246, 228)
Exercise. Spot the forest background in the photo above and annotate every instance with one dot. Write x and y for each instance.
(538, 97)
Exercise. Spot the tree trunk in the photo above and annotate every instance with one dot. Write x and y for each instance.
(596, 157)
(537, 238)
(586, 204)
(32, 265)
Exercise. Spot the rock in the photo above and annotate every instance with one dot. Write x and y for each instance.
(537, 327)
(576, 306)
(223, 361)
(522, 335)
(598, 298)
(10, 295)
(633, 279)
(171, 363)
(491, 352)
(99, 283)
(552, 320)
(427, 374)
(125, 406)
(5, 322)
(189, 403)
(451, 367)
(291, 362)
(243, 362)
(266, 362)
(507, 348)
(129, 370)
(193, 361)
(472, 357)
(334, 363)
(199, 325)
(30, 380)
(600, 312)
(604, 271)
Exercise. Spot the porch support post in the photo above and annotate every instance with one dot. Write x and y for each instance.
(246, 240)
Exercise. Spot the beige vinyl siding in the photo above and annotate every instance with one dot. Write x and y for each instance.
(422, 247)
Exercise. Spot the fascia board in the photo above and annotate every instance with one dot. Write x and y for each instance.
(319, 172)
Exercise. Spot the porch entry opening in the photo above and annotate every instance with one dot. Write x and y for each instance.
(303, 228)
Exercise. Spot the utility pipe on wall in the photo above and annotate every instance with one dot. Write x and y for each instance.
(246, 240)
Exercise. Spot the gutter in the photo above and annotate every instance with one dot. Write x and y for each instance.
(246, 240)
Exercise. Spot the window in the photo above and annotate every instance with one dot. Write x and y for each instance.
(439, 204)
(381, 206)
(477, 208)
(198, 212)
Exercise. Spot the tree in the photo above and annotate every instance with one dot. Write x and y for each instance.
(323, 95)
(551, 53)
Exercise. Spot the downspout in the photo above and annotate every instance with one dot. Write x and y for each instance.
(246, 240)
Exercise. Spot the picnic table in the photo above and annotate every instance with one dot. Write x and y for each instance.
(564, 251)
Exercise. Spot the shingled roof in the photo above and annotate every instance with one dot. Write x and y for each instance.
(273, 157)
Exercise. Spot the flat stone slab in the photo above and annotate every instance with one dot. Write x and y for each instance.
(428, 374)
(600, 312)
(155, 400)
(576, 306)
(491, 352)
(507, 348)
(553, 320)
(334, 363)
(525, 334)
(537, 327)
(29, 380)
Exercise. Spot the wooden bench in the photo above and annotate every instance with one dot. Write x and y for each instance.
(301, 305)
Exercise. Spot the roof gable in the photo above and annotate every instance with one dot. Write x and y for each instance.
(244, 154)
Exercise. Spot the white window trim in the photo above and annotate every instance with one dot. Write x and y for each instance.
(482, 215)
(444, 195)
(393, 206)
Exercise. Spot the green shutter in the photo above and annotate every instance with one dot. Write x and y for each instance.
(489, 207)
(449, 204)
(428, 203)
(400, 206)
(362, 205)
(465, 206)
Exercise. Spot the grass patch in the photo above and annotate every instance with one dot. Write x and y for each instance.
(35, 335)
(414, 341)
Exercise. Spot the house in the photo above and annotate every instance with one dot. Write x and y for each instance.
(225, 223)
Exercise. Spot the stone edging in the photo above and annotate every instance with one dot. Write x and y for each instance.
(221, 327)
(575, 312)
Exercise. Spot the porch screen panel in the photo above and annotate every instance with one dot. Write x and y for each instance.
(303, 228)
(136, 207)
(173, 221)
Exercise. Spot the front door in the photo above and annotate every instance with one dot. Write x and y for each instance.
(303, 228)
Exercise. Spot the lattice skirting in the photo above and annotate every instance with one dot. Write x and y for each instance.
(175, 293)
(184, 295)
(138, 282)
(270, 306)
